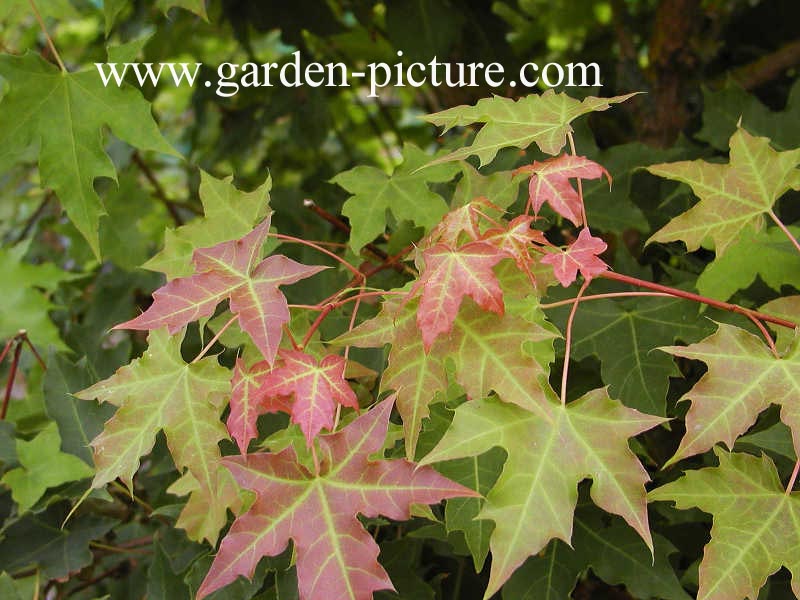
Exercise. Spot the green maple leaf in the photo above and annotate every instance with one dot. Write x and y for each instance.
(543, 119)
(478, 473)
(501, 188)
(733, 196)
(64, 114)
(198, 7)
(507, 354)
(405, 193)
(13, 12)
(743, 378)
(42, 466)
(24, 303)
(160, 391)
(787, 307)
(756, 526)
(613, 551)
(228, 214)
(623, 335)
(767, 254)
(550, 450)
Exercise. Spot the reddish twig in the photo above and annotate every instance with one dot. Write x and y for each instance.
(600, 296)
(214, 339)
(793, 478)
(10, 381)
(785, 230)
(697, 298)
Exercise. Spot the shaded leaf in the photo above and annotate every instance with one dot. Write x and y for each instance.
(42, 466)
(65, 114)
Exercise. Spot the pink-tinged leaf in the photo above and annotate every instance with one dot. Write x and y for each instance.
(262, 307)
(336, 557)
(515, 241)
(465, 219)
(230, 270)
(449, 275)
(550, 183)
(317, 388)
(244, 401)
(581, 255)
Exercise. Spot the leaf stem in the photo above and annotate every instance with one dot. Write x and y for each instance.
(697, 298)
(50, 43)
(580, 183)
(568, 335)
(767, 336)
(315, 325)
(214, 339)
(793, 478)
(785, 229)
(600, 296)
(291, 238)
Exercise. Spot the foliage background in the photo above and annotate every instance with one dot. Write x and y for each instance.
(703, 65)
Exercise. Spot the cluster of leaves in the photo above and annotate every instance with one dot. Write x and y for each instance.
(465, 390)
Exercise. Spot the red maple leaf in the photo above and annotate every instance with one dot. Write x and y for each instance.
(581, 255)
(230, 270)
(317, 387)
(450, 274)
(336, 556)
(515, 241)
(550, 183)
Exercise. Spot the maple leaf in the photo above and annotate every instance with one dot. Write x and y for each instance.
(755, 530)
(159, 391)
(449, 275)
(230, 270)
(465, 219)
(543, 119)
(767, 254)
(743, 378)
(245, 400)
(64, 114)
(336, 557)
(732, 196)
(549, 183)
(515, 239)
(227, 214)
(623, 332)
(42, 466)
(405, 193)
(317, 387)
(550, 450)
(581, 255)
(490, 353)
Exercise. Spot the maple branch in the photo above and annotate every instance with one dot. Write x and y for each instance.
(289, 335)
(793, 478)
(785, 229)
(50, 43)
(697, 298)
(12, 373)
(159, 191)
(27, 340)
(568, 335)
(600, 296)
(387, 261)
(580, 184)
(214, 339)
(315, 325)
(35, 216)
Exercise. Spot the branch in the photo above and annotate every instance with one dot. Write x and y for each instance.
(50, 43)
(766, 68)
(697, 298)
(159, 191)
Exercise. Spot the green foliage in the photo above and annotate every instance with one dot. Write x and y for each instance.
(345, 349)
